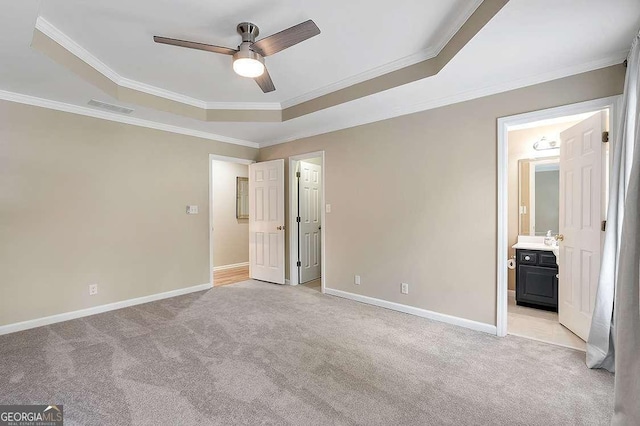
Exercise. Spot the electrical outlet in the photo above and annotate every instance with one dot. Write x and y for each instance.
(356, 280)
(404, 288)
(93, 289)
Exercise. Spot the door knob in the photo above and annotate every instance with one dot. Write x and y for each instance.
(560, 237)
(280, 228)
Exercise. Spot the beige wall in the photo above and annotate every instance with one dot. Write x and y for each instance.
(521, 147)
(84, 200)
(414, 197)
(230, 235)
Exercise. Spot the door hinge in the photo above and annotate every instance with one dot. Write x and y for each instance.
(605, 137)
(603, 226)
(298, 219)
(298, 263)
(297, 174)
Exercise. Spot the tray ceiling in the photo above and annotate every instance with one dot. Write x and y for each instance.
(527, 42)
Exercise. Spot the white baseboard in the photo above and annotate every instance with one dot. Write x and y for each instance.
(449, 319)
(39, 322)
(230, 266)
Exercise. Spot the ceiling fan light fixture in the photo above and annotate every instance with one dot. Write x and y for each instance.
(248, 63)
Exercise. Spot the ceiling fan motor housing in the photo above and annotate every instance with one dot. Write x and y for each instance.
(248, 31)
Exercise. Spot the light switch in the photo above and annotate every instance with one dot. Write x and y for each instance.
(328, 208)
(192, 209)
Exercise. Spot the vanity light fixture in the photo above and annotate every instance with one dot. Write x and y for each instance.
(545, 144)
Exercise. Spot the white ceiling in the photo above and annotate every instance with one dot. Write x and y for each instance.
(527, 42)
(119, 33)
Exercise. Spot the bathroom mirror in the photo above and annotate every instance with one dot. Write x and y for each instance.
(539, 196)
(242, 198)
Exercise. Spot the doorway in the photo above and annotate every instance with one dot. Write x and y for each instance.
(228, 220)
(552, 183)
(306, 218)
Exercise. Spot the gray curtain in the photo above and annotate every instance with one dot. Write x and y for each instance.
(627, 300)
(600, 345)
(614, 339)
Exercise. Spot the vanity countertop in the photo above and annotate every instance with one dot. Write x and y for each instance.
(528, 242)
(533, 246)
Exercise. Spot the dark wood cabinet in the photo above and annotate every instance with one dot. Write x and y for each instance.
(537, 279)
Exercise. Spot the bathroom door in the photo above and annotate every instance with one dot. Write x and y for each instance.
(581, 212)
(309, 191)
(266, 221)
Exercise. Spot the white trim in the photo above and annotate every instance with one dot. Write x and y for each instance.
(39, 322)
(504, 124)
(436, 316)
(51, 31)
(48, 29)
(212, 158)
(230, 159)
(361, 77)
(119, 118)
(293, 228)
(230, 266)
(358, 120)
(445, 37)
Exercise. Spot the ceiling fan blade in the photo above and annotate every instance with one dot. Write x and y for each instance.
(194, 45)
(265, 82)
(286, 38)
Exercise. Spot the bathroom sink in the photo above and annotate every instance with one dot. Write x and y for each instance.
(526, 242)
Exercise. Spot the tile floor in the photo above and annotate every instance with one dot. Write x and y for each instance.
(315, 284)
(540, 325)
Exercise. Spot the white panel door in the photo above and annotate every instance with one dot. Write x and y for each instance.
(309, 205)
(266, 221)
(581, 168)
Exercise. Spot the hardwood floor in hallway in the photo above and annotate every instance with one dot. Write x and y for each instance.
(230, 276)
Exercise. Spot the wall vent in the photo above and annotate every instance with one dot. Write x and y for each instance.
(110, 107)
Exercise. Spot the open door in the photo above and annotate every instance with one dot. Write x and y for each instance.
(581, 183)
(266, 221)
(309, 213)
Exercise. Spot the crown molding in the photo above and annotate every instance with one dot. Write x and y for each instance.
(424, 55)
(607, 61)
(51, 31)
(613, 59)
(69, 44)
(363, 76)
(110, 116)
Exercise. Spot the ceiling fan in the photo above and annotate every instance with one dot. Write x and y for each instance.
(248, 58)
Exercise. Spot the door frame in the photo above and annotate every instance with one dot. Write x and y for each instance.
(611, 103)
(215, 157)
(293, 228)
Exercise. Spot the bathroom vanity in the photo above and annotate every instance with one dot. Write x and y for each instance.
(536, 276)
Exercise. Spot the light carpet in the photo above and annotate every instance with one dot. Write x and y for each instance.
(258, 353)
